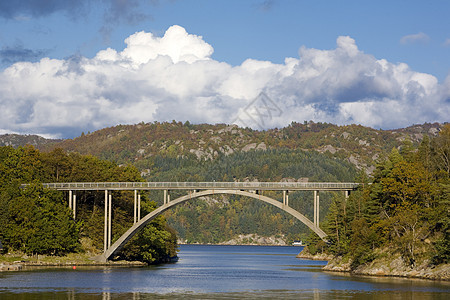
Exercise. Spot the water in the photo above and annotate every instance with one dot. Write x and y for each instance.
(215, 272)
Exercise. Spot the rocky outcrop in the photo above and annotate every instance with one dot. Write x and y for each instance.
(391, 266)
(254, 239)
(305, 254)
(10, 267)
(386, 265)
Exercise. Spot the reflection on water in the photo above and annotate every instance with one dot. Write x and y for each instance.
(276, 294)
(215, 272)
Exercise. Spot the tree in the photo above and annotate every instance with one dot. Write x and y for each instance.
(441, 150)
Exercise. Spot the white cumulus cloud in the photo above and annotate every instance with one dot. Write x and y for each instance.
(173, 77)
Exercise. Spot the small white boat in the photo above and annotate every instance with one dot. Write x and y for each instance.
(297, 243)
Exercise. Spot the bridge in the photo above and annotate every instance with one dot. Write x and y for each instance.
(194, 190)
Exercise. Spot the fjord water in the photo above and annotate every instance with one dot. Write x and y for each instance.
(214, 272)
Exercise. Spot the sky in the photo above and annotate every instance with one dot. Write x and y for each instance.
(68, 67)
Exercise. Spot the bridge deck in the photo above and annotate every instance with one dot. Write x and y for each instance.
(291, 186)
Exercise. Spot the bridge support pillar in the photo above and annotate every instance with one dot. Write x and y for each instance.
(135, 206)
(139, 207)
(286, 198)
(109, 219)
(105, 244)
(166, 196)
(73, 203)
(316, 208)
(74, 206)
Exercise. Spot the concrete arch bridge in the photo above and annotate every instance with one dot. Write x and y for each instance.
(195, 190)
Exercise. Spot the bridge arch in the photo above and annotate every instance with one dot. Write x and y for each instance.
(193, 195)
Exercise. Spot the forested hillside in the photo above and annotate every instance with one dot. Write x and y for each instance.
(360, 145)
(404, 213)
(220, 218)
(38, 221)
(301, 151)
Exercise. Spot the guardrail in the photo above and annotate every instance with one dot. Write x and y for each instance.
(292, 186)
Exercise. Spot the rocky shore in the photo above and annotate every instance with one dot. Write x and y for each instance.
(10, 267)
(254, 239)
(389, 265)
(251, 239)
(319, 256)
(395, 267)
(17, 263)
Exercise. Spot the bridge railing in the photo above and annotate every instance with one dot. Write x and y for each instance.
(201, 185)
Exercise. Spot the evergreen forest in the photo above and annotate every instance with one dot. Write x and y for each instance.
(217, 219)
(34, 220)
(403, 210)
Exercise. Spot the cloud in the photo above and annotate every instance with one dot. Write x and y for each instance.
(20, 9)
(176, 43)
(119, 11)
(447, 42)
(13, 54)
(266, 5)
(173, 77)
(420, 37)
(115, 12)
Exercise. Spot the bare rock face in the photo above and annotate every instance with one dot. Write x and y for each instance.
(391, 265)
(261, 146)
(328, 148)
(254, 239)
(305, 254)
(353, 160)
(227, 150)
(10, 267)
(433, 131)
(364, 143)
(201, 154)
(216, 139)
(338, 264)
(248, 147)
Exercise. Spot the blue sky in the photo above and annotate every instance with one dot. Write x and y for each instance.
(412, 37)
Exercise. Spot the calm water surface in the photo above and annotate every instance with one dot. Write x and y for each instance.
(215, 272)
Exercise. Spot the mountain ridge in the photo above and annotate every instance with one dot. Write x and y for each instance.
(132, 144)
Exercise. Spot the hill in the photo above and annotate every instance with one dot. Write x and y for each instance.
(123, 144)
(18, 140)
(360, 145)
(186, 152)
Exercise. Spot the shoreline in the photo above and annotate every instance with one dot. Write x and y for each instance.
(224, 244)
(20, 261)
(19, 266)
(17, 262)
(392, 267)
(388, 267)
